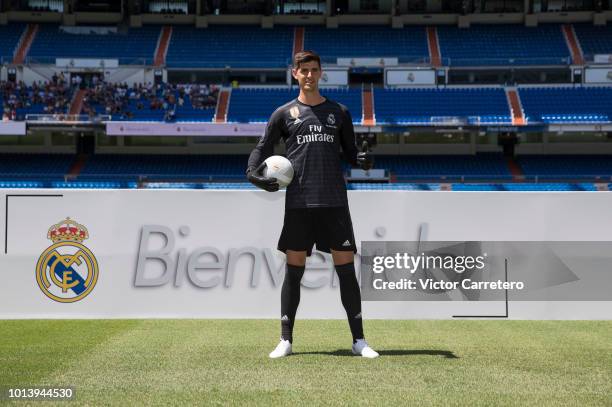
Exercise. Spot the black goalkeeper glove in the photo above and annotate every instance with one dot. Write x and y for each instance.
(254, 176)
(365, 160)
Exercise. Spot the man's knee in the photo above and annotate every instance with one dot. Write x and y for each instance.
(296, 258)
(342, 257)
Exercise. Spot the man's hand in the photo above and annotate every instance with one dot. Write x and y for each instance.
(365, 161)
(254, 176)
(364, 158)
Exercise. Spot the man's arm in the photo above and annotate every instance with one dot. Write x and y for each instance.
(265, 146)
(263, 150)
(349, 149)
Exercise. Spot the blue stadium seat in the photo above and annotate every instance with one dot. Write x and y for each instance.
(566, 166)
(185, 113)
(424, 105)
(479, 166)
(545, 187)
(567, 104)
(165, 167)
(594, 39)
(408, 44)
(234, 46)
(503, 44)
(34, 166)
(257, 104)
(476, 187)
(9, 37)
(135, 47)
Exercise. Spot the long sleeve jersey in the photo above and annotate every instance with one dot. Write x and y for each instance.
(313, 136)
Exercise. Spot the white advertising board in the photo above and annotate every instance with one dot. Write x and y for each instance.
(598, 75)
(11, 128)
(211, 253)
(406, 77)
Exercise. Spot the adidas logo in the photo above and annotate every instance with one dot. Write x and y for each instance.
(358, 316)
(285, 318)
(297, 120)
(346, 243)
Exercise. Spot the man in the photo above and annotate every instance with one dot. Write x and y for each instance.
(314, 130)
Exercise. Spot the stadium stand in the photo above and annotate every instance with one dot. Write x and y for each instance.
(419, 172)
(525, 187)
(136, 46)
(594, 39)
(226, 167)
(251, 47)
(46, 5)
(408, 44)
(255, 105)
(164, 167)
(34, 167)
(503, 45)
(233, 46)
(485, 165)
(164, 7)
(9, 38)
(426, 105)
(567, 104)
(147, 102)
(19, 100)
(566, 166)
(220, 46)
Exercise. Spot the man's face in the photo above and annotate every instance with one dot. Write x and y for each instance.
(308, 75)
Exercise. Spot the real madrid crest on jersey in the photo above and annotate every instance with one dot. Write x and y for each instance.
(331, 119)
(67, 271)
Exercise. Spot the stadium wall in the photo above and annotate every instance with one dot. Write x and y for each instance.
(157, 250)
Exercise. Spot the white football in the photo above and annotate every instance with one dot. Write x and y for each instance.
(280, 168)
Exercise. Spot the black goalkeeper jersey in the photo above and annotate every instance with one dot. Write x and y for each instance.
(314, 136)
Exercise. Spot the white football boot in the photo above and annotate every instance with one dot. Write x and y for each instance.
(282, 349)
(361, 348)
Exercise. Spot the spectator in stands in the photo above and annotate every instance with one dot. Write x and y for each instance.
(52, 96)
(108, 98)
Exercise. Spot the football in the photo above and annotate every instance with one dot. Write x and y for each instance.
(280, 168)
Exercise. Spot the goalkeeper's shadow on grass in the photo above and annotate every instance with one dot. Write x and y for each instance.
(446, 354)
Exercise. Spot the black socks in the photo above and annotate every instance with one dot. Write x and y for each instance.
(351, 298)
(290, 299)
(350, 295)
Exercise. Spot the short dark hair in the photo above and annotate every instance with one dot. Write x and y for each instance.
(305, 56)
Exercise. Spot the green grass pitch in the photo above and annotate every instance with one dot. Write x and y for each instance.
(225, 362)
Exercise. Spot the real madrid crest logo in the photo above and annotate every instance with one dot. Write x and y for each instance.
(67, 271)
(331, 119)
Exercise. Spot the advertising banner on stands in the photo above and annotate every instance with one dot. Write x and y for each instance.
(184, 129)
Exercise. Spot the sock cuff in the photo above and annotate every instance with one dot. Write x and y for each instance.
(345, 268)
(295, 269)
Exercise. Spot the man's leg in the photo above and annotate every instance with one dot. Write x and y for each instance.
(290, 293)
(349, 290)
(350, 295)
(290, 300)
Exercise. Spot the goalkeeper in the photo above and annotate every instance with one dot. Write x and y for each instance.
(314, 130)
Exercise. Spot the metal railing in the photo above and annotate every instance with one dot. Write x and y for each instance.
(51, 60)
(403, 60)
(66, 118)
(500, 62)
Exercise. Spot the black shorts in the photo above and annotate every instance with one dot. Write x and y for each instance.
(328, 228)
